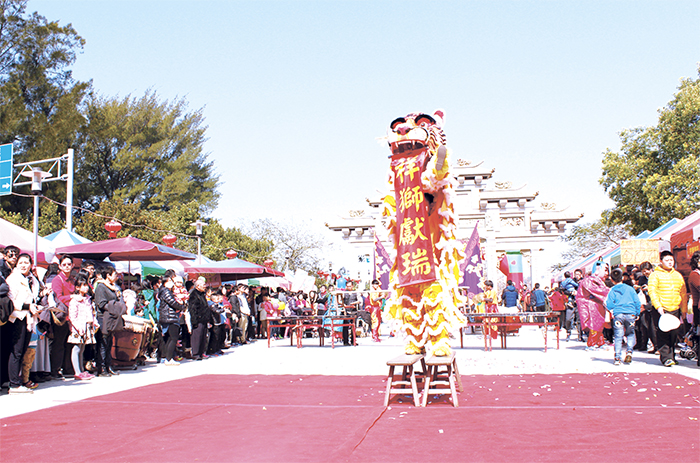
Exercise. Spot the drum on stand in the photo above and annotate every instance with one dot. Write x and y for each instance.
(130, 344)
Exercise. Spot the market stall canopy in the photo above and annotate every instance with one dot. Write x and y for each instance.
(11, 234)
(685, 241)
(128, 248)
(268, 282)
(232, 269)
(68, 238)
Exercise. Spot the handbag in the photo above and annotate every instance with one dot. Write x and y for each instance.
(59, 314)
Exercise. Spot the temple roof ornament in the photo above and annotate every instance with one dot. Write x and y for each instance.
(503, 185)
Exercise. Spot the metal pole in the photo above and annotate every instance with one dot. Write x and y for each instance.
(36, 228)
(69, 192)
(199, 250)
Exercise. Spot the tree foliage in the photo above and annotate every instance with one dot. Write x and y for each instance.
(146, 152)
(656, 175)
(295, 247)
(153, 225)
(587, 239)
(39, 99)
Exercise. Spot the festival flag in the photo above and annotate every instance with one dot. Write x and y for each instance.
(511, 264)
(472, 267)
(382, 264)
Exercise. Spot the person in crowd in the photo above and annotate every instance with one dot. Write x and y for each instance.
(568, 284)
(169, 318)
(244, 310)
(64, 290)
(590, 296)
(351, 304)
(83, 324)
(130, 296)
(376, 302)
(179, 291)
(322, 300)
(198, 307)
(558, 301)
(539, 299)
(110, 308)
(217, 320)
(649, 318)
(87, 268)
(694, 287)
(668, 296)
(623, 303)
(8, 260)
(24, 292)
(510, 295)
(236, 316)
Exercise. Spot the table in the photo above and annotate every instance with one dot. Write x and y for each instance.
(487, 322)
(300, 323)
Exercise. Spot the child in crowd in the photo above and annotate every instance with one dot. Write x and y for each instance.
(83, 323)
(623, 303)
(179, 291)
(216, 340)
(130, 297)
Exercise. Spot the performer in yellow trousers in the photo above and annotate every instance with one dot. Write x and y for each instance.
(421, 224)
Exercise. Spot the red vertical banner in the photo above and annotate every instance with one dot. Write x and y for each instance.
(414, 259)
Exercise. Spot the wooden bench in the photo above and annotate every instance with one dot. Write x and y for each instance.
(408, 383)
(442, 377)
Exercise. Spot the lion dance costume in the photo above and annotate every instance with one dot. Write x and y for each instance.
(421, 224)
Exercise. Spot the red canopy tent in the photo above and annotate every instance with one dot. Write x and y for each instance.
(128, 248)
(229, 270)
(686, 241)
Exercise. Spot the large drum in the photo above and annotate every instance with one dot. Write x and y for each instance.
(129, 345)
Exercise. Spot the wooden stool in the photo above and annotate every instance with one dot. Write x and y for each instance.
(442, 371)
(408, 377)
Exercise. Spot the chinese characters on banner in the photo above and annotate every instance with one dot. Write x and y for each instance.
(414, 258)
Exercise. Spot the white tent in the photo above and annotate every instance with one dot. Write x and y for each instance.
(11, 234)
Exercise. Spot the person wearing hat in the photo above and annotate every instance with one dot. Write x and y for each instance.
(624, 305)
(668, 296)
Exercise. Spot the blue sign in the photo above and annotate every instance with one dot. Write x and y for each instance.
(5, 169)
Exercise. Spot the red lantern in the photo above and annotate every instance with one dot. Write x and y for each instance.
(113, 227)
(268, 263)
(231, 254)
(169, 239)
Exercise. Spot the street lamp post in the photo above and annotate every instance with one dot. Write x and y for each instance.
(37, 175)
(198, 224)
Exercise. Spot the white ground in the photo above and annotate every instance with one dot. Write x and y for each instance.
(525, 355)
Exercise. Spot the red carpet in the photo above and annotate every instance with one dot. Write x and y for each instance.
(614, 417)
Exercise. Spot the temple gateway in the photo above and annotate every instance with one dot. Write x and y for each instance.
(508, 218)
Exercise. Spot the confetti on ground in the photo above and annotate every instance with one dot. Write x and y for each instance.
(536, 394)
(643, 389)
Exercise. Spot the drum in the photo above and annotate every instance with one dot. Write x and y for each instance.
(130, 343)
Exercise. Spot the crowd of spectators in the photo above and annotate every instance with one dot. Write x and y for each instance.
(63, 325)
(604, 313)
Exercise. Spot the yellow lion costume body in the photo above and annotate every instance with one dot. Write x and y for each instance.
(421, 223)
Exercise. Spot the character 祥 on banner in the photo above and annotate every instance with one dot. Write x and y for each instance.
(421, 223)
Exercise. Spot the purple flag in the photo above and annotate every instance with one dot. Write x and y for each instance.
(472, 266)
(382, 264)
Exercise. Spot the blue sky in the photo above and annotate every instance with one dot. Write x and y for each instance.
(295, 93)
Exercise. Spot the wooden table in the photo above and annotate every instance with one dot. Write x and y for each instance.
(300, 323)
(498, 321)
